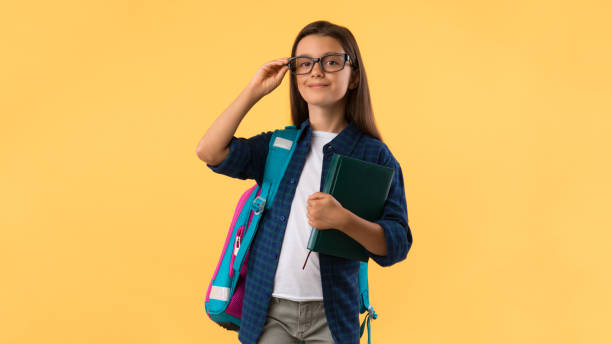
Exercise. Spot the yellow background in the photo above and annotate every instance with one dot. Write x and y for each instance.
(499, 113)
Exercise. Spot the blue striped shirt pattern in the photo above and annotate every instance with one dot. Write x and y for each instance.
(339, 276)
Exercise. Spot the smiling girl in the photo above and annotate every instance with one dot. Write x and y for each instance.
(330, 101)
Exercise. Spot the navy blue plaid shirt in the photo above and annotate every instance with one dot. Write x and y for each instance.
(339, 276)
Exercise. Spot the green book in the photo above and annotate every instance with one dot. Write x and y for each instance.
(361, 187)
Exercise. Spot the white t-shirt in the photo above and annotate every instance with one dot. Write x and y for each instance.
(291, 282)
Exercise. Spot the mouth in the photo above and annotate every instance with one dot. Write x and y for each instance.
(317, 86)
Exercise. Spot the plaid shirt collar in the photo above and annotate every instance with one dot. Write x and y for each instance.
(343, 143)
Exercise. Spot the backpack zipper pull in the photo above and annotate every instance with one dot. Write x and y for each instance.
(238, 240)
(237, 246)
(236, 249)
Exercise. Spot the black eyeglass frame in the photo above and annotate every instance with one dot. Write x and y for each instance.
(319, 60)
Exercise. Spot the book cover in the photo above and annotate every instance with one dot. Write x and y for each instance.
(361, 187)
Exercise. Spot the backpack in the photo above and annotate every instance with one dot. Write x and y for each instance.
(225, 292)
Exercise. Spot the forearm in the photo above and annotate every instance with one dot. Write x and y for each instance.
(369, 234)
(213, 147)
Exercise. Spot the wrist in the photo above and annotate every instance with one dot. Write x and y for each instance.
(345, 221)
(251, 93)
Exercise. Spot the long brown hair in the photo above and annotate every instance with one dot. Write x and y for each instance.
(358, 102)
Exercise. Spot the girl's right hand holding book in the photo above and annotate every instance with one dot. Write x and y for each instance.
(268, 77)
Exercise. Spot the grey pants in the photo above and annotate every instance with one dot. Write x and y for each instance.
(293, 322)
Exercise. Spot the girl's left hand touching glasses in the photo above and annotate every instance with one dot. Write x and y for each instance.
(324, 211)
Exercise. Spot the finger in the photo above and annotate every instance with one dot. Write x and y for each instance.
(282, 71)
(274, 64)
(315, 195)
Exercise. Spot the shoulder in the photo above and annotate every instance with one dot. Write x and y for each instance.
(260, 140)
(377, 151)
(265, 135)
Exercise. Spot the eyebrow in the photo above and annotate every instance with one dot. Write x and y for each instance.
(329, 52)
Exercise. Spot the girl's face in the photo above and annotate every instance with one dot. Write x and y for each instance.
(336, 83)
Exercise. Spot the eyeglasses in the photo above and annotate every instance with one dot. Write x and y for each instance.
(330, 63)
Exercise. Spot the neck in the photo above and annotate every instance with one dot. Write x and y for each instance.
(330, 119)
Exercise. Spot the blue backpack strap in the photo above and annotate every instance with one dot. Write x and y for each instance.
(364, 296)
(281, 149)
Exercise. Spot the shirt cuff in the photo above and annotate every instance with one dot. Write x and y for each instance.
(225, 166)
(398, 240)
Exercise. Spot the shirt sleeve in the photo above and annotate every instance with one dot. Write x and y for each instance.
(246, 158)
(394, 219)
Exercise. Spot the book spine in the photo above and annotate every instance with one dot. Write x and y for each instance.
(331, 174)
(312, 241)
(329, 181)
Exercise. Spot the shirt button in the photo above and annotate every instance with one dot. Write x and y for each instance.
(282, 218)
(292, 181)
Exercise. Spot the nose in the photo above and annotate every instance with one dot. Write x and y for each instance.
(317, 68)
